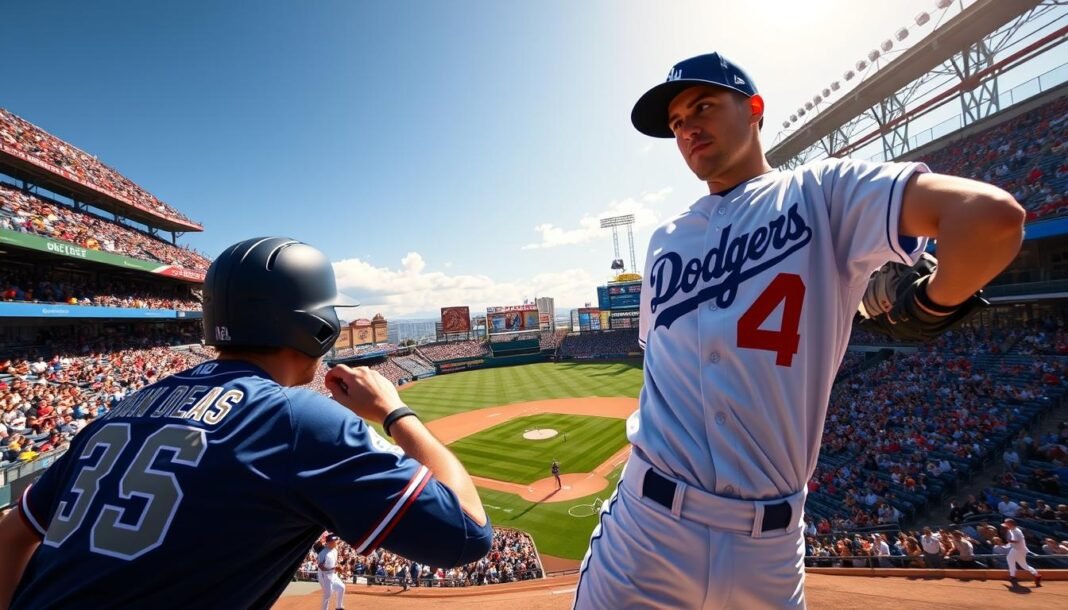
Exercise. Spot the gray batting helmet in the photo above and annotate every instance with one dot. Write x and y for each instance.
(650, 113)
(272, 292)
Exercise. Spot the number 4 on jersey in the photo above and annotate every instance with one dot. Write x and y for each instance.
(786, 287)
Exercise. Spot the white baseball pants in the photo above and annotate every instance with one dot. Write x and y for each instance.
(332, 586)
(1018, 558)
(643, 555)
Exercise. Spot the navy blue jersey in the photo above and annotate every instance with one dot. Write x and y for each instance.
(207, 489)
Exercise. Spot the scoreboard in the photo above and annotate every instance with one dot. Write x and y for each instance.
(620, 295)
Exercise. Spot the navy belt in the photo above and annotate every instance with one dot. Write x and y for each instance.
(662, 491)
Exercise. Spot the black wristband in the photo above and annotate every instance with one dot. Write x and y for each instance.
(926, 302)
(394, 416)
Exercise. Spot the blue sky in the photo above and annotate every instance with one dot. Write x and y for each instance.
(441, 153)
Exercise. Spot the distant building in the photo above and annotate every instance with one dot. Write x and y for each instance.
(547, 313)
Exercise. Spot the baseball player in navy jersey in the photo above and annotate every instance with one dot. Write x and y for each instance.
(328, 578)
(132, 513)
(746, 311)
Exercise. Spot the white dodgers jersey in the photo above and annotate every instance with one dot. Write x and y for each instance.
(746, 311)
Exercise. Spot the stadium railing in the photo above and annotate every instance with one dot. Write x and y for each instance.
(424, 581)
(980, 562)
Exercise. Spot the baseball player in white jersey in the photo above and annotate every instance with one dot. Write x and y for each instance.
(328, 579)
(1017, 556)
(746, 312)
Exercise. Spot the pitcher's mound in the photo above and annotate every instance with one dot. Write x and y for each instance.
(539, 434)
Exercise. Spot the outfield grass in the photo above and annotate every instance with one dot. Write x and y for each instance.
(458, 392)
(555, 531)
(502, 453)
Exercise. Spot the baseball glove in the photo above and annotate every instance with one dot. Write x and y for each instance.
(891, 304)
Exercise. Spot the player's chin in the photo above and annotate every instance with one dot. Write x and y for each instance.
(703, 167)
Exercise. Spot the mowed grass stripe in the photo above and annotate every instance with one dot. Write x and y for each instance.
(555, 531)
(458, 392)
(502, 453)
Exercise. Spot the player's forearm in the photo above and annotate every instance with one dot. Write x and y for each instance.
(18, 545)
(976, 242)
(421, 445)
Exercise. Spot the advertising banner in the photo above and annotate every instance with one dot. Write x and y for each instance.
(42, 310)
(62, 248)
(362, 335)
(529, 307)
(455, 320)
(512, 319)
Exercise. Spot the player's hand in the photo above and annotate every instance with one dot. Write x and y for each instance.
(365, 392)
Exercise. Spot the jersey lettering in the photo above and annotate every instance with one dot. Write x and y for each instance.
(669, 276)
(204, 369)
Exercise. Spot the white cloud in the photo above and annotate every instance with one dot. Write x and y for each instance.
(410, 291)
(589, 227)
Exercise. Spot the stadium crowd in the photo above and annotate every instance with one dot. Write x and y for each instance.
(28, 213)
(1025, 155)
(47, 286)
(360, 350)
(550, 340)
(512, 557)
(46, 400)
(440, 352)
(899, 435)
(606, 344)
(30, 139)
(979, 544)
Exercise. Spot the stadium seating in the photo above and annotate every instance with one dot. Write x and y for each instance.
(52, 286)
(607, 344)
(512, 557)
(46, 400)
(1025, 155)
(29, 213)
(415, 365)
(903, 434)
(441, 352)
(30, 139)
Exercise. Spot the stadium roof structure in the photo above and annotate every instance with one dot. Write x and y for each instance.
(34, 170)
(970, 48)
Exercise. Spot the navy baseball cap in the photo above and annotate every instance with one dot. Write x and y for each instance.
(650, 114)
(333, 538)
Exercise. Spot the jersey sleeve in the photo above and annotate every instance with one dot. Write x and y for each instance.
(355, 483)
(864, 202)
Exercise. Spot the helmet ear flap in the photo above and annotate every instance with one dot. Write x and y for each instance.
(320, 330)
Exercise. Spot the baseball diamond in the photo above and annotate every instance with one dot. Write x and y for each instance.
(502, 453)
(489, 447)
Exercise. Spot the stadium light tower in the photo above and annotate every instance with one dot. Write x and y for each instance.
(622, 221)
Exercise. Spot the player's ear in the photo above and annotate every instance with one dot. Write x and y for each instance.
(756, 109)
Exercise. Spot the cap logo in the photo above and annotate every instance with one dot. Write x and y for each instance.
(675, 74)
(738, 80)
(222, 333)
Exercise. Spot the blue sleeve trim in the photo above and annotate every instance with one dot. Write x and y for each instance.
(900, 250)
